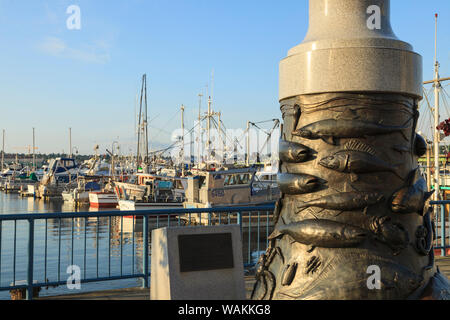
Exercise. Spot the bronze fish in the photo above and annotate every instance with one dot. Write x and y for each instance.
(289, 274)
(394, 235)
(329, 130)
(297, 183)
(424, 235)
(322, 233)
(292, 152)
(357, 157)
(346, 201)
(420, 145)
(411, 198)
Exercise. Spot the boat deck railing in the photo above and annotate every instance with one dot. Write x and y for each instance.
(35, 247)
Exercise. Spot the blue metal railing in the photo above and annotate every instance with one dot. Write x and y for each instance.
(441, 222)
(39, 236)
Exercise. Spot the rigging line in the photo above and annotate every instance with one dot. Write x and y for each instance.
(252, 123)
(428, 105)
(266, 121)
(445, 103)
(165, 125)
(228, 137)
(176, 142)
(223, 132)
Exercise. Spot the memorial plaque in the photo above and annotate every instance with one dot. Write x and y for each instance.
(202, 252)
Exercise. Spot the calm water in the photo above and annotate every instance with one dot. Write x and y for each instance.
(124, 259)
(123, 241)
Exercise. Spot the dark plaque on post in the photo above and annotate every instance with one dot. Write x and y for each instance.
(203, 252)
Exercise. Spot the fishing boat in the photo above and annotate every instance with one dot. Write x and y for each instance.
(151, 192)
(103, 199)
(228, 187)
(60, 172)
(80, 194)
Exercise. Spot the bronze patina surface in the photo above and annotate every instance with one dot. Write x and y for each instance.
(368, 211)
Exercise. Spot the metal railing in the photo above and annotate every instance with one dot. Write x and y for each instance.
(35, 242)
(442, 222)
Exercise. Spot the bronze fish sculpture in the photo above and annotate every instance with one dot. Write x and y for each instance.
(322, 233)
(420, 145)
(394, 235)
(356, 158)
(412, 197)
(329, 130)
(346, 201)
(289, 274)
(297, 183)
(292, 152)
(424, 235)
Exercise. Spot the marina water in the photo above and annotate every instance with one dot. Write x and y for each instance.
(130, 258)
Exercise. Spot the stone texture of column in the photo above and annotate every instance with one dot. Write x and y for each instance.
(353, 197)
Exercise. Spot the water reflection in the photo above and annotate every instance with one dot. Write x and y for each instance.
(101, 247)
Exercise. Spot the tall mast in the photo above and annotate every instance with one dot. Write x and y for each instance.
(208, 148)
(70, 142)
(182, 139)
(3, 149)
(247, 158)
(142, 129)
(34, 154)
(146, 118)
(437, 86)
(199, 126)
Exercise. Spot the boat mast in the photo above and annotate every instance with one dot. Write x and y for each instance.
(70, 143)
(3, 150)
(199, 127)
(143, 128)
(34, 153)
(436, 119)
(182, 140)
(208, 147)
(146, 118)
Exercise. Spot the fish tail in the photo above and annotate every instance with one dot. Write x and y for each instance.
(275, 234)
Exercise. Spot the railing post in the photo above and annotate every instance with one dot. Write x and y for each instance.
(239, 218)
(145, 283)
(443, 242)
(29, 295)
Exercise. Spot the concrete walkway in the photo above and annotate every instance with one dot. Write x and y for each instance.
(144, 294)
(127, 294)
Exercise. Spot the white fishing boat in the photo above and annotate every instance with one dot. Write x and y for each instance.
(103, 199)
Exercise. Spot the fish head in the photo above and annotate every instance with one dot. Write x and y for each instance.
(304, 133)
(300, 154)
(354, 233)
(398, 200)
(331, 162)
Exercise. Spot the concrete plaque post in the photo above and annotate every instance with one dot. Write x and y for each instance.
(197, 263)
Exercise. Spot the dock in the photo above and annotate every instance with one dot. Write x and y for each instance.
(144, 294)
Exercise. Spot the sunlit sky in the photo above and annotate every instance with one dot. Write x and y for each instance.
(53, 78)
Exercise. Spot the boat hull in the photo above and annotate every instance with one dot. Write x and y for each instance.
(102, 200)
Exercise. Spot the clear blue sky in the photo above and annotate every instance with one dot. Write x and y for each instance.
(52, 78)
